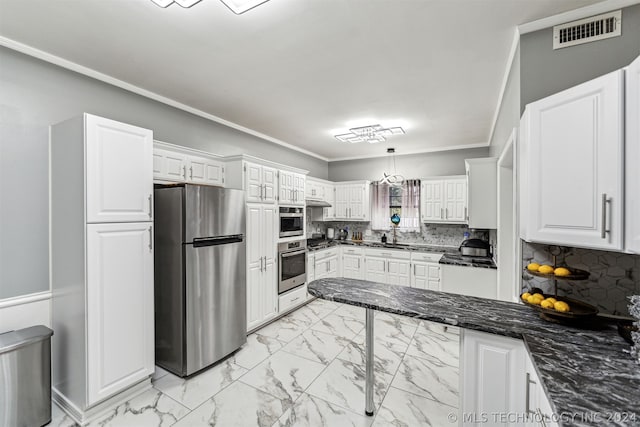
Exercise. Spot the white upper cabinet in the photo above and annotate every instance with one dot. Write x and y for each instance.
(119, 171)
(575, 166)
(260, 183)
(351, 201)
(632, 156)
(291, 188)
(444, 200)
(181, 164)
(482, 193)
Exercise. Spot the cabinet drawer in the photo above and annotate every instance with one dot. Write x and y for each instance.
(426, 256)
(292, 298)
(352, 251)
(388, 253)
(325, 253)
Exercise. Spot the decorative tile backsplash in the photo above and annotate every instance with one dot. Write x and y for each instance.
(614, 276)
(430, 234)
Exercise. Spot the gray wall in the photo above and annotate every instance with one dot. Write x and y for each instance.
(545, 71)
(35, 94)
(509, 115)
(409, 166)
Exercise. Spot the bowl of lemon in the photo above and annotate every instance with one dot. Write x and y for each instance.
(555, 306)
(551, 272)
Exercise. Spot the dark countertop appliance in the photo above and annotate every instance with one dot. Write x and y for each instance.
(475, 247)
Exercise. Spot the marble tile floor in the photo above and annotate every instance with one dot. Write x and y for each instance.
(307, 369)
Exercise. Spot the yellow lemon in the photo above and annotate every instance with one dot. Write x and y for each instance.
(525, 296)
(534, 300)
(545, 269)
(546, 304)
(553, 300)
(538, 296)
(561, 306)
(534, 266)
(561, 271)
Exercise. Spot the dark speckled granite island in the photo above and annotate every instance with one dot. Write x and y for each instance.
(582, 371)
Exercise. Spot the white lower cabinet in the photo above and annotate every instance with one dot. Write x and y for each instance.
(352, 263)
(262, 284)
(388, 266)
(499, 383)
(472, 281)
(292, 299)
(120, 294)
(425, 271)
(326, 263)
(493, 379)
(311, 267)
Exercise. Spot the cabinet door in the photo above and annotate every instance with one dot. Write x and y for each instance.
(120, 337)
(205, 171)
(332, 263)
(270, 184)
(431, 201)
(168, 166)
(342, 195)
(321, 269)
(311, 268)
(399, 272)
(285, 185)
(455, 200)
(269, 292)
(352, 266)
(492, 374)
(270, 279)
(253, 182)
(433, 276)
(632, 147)
(419, 275)
(575, 166)
(119, 171)
(376, 269)
(255, 265)
(298, 189)
(356, 202)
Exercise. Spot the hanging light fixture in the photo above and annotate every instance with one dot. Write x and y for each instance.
(395, 179)
(237, 6)
(371, 134)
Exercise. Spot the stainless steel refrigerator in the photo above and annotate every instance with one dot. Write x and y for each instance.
(200, 275)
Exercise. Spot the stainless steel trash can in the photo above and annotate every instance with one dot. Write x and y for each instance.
(25, 377)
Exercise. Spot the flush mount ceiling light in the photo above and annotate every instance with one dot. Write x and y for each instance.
(395, 179)
(371, 134)
(237, 6)
(241, 6)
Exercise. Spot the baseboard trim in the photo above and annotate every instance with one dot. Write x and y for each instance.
(91, 414)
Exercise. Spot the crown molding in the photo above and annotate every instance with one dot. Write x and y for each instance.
(430, 150)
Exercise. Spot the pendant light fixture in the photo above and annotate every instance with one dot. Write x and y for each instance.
(236, 6)
(395, 179)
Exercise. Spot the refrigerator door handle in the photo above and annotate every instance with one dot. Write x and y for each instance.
(200, 242)
(150, 238)
(150, 205)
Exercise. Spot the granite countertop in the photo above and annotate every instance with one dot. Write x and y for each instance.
(467, 261)
(399, 246)
(582, 371)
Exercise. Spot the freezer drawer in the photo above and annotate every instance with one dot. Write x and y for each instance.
(215, 302)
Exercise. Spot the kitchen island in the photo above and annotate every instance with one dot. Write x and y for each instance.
(588, 375)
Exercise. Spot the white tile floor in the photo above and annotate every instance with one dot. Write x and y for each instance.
(307, 369)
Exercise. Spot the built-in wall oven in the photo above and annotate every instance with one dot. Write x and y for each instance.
(291, 221)
(292, 265)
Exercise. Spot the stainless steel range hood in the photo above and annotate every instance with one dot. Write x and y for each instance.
(317, 204)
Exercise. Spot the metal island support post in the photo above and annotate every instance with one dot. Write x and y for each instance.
(369, 379)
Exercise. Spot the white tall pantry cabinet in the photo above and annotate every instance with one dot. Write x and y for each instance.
(101, 262)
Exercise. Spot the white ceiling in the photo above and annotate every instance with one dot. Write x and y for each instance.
(300, 71)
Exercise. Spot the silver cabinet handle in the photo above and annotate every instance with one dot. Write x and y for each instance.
(446, 213)
(260, 264)
(358, 263)
(150, 205)
(263, 191)
(150, 238)
(191, 171)
(604, 231)
(414, 269)
(295, 299)
(527, 395)
(441, 213)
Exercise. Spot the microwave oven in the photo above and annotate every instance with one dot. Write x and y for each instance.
(291, 221)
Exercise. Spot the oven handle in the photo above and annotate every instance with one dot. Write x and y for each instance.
(291, 215)
(292, 253)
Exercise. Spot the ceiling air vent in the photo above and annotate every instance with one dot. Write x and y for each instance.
(587, 30)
